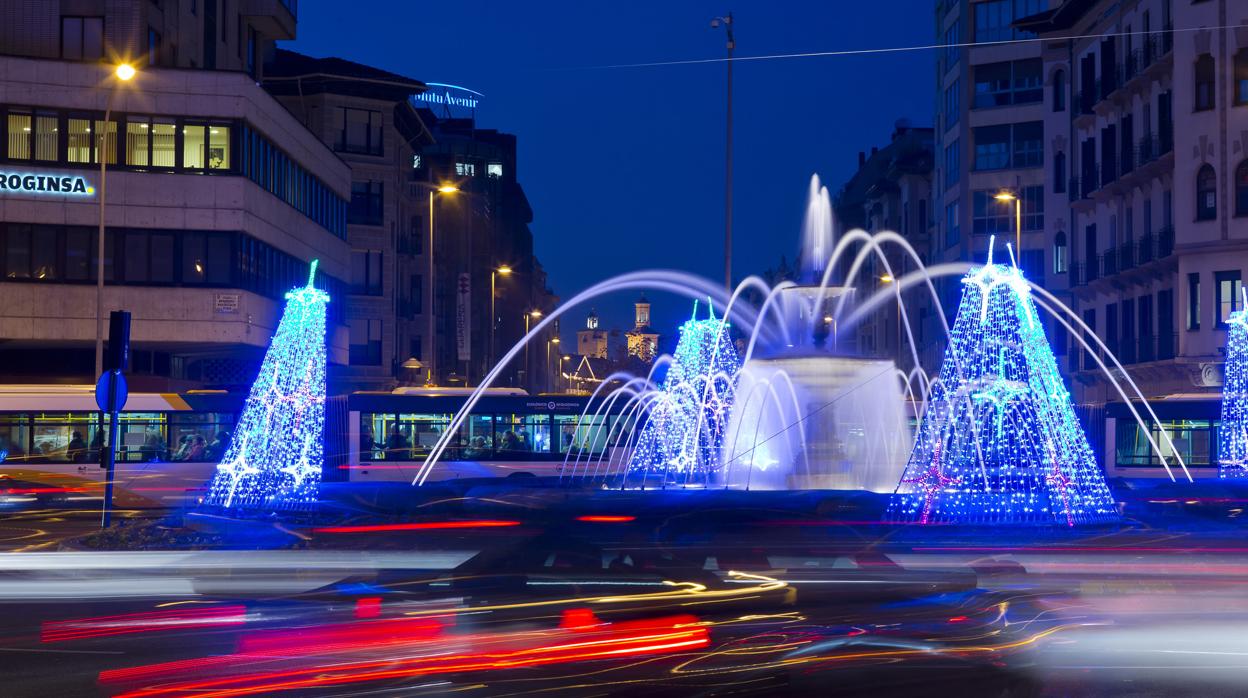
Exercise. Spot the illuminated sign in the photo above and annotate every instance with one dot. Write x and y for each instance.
(448, 97)
(70, 185)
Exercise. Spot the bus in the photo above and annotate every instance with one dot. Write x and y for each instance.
(508, 433)
(169, 443)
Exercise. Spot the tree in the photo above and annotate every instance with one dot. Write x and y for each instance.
(999, 442)
(275, 458)
(684, 431)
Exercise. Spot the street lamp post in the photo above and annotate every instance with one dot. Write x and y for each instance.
(123, 73)
(888, 279)
(562, 358)
(503, 270)
(431, 363)
(531, 314)
(732, 44)
(552, 340)
(1007, 195)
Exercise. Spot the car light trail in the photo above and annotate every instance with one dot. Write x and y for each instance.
(152, 621)
(423, 526)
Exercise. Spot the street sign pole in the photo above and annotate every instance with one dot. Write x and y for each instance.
(110, 396)
(110, 450)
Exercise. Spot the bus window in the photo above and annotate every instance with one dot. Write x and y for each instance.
(474, 439)
(414, 435)
(14, 438)
(577, 435)
(201, 436)
(64, 437)
(142, 437)
(521, 435)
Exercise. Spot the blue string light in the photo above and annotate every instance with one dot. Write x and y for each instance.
(1000, 442)
(1233, 432)
(685, 429)
(274, 460)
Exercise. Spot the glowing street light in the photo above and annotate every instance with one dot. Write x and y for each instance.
(448, 189)
(1006, 196)
(124, 74)
(502, 270)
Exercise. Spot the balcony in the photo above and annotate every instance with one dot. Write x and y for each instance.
(274, 18)
(1128, 351)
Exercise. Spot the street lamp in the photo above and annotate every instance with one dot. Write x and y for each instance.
(1005, 196)
(563, 358)
(528, 315)
(123, 73)
(503, 270)
(433, 346)
(732, 44)
(888, 279)
(555, 341)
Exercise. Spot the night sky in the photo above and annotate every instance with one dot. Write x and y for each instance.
(624, 166)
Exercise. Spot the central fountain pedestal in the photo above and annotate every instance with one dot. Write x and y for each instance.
(817, 422)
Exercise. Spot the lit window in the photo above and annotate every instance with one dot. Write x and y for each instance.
(416, 161)
(218, 147)
(1229, 295)
(465, 169)
(494, 170)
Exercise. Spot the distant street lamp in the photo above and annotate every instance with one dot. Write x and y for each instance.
(502, 270)
(732, 44)
(432, 338)
(1005, 196)
(555, 341)
(123, 73)
(528, 315)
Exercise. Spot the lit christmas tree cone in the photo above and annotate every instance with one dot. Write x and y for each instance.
(274, 460)
(1233, 436)
(1000, 442)
(680, 443)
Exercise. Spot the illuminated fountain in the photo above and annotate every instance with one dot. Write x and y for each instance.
(807, 415)
(802, 412)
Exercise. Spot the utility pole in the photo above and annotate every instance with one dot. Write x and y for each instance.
(732, 44)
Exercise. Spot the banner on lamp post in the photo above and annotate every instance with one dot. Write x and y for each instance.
(463, 317)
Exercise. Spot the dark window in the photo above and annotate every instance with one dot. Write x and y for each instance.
(992, 21)
(366, 275)
(365, 342)
(1009, 145)
(82, 38)
(953, 37)
(1206, 83)
(153, 47)
(1059, 91)
(953, 224)
(1206, 193)
(1228, 295)
(1241, 76)
(1010, 82)
(359, 131)
(1193, 301)
(953, 102)
(366, 204)
(1241, 189)
(992, 147)
(953, 163)
(1061, 253)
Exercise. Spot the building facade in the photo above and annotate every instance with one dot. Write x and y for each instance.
(892, 190)
(479, 219)
(366, 117)
(994, 136)
(1147, 124)
(217, 199)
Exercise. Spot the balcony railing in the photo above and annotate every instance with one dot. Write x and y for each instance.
(1126, 256)
(1109, 264)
